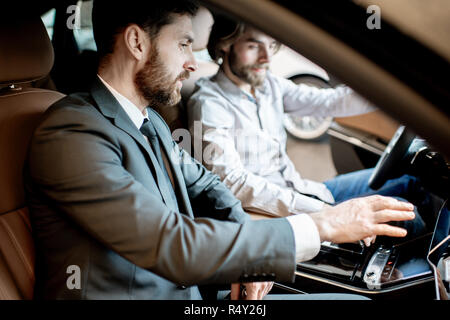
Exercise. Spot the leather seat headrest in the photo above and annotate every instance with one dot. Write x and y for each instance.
(26, 52)
(201, 25)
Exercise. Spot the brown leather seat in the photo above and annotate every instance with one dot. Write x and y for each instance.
(26, 55)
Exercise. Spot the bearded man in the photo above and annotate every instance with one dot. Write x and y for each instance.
(240, 111)
(110, 192)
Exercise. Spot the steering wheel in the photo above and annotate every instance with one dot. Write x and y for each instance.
(391, 157)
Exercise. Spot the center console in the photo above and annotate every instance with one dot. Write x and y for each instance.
(389, 265)
(374, 268)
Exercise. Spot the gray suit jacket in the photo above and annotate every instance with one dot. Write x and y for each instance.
(96, 208)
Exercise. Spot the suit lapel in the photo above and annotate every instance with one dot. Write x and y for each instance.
(110, 108)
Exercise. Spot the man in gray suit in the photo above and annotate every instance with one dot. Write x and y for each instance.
(110, 192)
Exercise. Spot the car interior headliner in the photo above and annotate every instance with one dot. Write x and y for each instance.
(427, 21)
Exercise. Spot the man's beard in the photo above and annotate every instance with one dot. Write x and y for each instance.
(156, 84)
(245, 72)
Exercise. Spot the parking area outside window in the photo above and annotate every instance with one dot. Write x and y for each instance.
(79, 20)
(49, 20)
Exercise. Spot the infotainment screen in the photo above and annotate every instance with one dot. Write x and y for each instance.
(441, 240)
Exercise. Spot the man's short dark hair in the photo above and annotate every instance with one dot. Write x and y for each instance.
(110, 17)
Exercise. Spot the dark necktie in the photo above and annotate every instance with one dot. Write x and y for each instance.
(164, 182)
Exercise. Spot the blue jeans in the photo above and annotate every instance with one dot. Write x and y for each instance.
(405, 188)
(356, 184)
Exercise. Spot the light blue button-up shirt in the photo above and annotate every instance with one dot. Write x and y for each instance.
(243, 140)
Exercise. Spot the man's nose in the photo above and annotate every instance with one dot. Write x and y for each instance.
(265, 55)
(191, 64)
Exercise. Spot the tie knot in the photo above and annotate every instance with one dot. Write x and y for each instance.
(147, 128)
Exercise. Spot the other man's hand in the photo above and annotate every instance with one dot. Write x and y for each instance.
(253, 290)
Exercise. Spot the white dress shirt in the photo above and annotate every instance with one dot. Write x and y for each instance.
(136, 116)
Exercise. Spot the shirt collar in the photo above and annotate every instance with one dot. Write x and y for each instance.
(133, 112)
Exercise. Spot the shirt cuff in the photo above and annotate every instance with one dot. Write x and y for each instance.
(306, 235)
(305, 204)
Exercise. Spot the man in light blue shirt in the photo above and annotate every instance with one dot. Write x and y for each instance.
(237, 117)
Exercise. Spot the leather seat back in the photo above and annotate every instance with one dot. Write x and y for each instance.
(26, 55)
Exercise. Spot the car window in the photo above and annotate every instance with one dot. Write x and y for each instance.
(79, 21)
(49, 20)
(82, 31)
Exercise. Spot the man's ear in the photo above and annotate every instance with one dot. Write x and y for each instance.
(136, 41)
(226, 48)
(224, 51)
